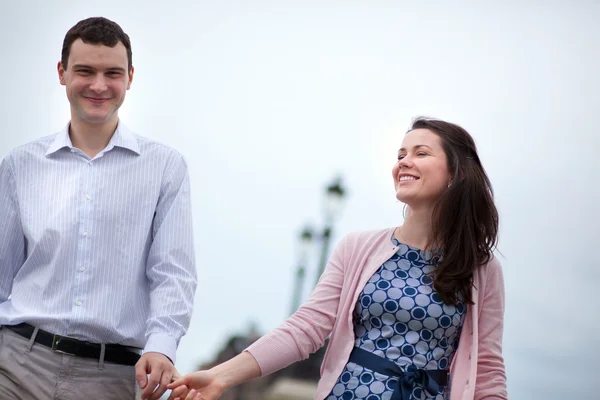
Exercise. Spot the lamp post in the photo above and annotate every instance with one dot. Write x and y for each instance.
(306, 237)
(334, 197)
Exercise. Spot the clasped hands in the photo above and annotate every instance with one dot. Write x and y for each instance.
(199, 385)
(155, 374)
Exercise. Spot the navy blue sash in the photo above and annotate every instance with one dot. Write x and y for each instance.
(431, 380)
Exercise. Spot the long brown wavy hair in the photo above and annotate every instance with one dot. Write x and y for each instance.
(464, 219)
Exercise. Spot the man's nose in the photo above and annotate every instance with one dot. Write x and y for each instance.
(99, 84)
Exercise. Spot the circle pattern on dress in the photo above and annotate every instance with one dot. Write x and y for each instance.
(400, 317)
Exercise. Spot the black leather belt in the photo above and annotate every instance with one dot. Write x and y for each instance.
(114, 353)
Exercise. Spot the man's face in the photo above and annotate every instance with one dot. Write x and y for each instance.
(96, 78)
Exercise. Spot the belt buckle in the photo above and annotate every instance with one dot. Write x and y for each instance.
(56, 342)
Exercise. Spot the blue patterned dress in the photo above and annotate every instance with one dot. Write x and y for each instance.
(401, 318)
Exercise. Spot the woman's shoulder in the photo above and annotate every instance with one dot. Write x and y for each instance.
(368, 242)
(492, 267)
(490, 274)
(368, 236)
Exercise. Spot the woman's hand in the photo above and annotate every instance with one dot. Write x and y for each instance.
(200, 385)
(208, 385)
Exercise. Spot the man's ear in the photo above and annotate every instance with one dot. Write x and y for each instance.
(61, 73)
(130, 78)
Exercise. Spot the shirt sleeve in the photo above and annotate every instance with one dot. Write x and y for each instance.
(12, 241)
(491, 374)
(306, 330)
(171, 268)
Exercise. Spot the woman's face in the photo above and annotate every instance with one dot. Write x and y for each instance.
(421, 174)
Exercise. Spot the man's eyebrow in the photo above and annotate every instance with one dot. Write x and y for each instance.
(415, 147)
(85, 66)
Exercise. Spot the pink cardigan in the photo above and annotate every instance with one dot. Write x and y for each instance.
(477, 370)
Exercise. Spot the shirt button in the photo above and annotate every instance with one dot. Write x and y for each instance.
(89, 162)
(85, 233)
(87, 196)
(72, 150)
(82, 268)
(78, 302)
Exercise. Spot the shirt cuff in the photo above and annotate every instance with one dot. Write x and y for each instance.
(162, 343)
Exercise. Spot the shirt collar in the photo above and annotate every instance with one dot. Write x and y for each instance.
(61, 140)
(122, 137)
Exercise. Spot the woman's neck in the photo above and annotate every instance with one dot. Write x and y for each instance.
(416, 229)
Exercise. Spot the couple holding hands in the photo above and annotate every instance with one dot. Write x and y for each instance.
(97, 271)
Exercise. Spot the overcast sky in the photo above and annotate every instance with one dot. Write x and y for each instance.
(269, 100)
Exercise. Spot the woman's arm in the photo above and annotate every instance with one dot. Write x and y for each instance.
(491, 376)
(305, 331)
(302, 334)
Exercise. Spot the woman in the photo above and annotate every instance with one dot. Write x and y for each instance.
(413, 312)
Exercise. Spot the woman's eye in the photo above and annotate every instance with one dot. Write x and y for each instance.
(421, 153)
(400, 158)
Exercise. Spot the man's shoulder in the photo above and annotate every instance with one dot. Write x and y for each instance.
(35, 147)
(154, 147)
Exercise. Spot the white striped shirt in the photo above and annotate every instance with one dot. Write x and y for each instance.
(98, 249)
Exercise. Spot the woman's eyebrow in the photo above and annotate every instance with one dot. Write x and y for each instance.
(415, 147)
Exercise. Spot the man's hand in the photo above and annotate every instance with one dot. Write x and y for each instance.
(161, 371)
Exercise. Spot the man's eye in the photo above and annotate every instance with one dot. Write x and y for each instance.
(421, 153)
(400, 157)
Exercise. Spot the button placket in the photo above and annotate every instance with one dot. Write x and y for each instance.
(86, 226)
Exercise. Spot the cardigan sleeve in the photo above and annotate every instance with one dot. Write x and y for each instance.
(306, 330)
(491, 375)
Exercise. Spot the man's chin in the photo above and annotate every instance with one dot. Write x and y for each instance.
(97, 119)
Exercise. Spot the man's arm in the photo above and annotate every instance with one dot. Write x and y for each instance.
(12, 241)
(171, 273)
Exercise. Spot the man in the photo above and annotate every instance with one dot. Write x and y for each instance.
(96, 248)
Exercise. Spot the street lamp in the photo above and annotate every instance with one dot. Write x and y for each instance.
(333, 204)
(306, 238)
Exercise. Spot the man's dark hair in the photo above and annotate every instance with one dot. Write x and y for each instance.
(96, 30)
